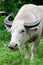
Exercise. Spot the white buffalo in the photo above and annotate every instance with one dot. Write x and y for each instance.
(27, 27)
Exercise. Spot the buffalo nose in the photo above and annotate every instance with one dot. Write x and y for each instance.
(14, 47)
(11, 47)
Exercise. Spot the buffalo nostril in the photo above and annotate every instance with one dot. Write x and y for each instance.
(16, 45)
(10, 47)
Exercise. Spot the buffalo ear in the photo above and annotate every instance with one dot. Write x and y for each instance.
(8, 22)
(8, 27)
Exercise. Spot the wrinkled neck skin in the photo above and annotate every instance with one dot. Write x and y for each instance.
(29, 38)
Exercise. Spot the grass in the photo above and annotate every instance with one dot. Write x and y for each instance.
(8, 57)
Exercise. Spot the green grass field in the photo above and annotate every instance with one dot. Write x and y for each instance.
(9, 57)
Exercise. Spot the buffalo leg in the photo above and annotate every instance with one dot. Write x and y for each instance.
(34, 48)
(27, 51)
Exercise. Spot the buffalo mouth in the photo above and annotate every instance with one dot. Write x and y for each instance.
(14, 49)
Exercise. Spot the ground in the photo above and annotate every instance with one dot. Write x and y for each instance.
(8, 57)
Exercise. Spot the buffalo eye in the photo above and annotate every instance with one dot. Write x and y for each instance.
(22, 31)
